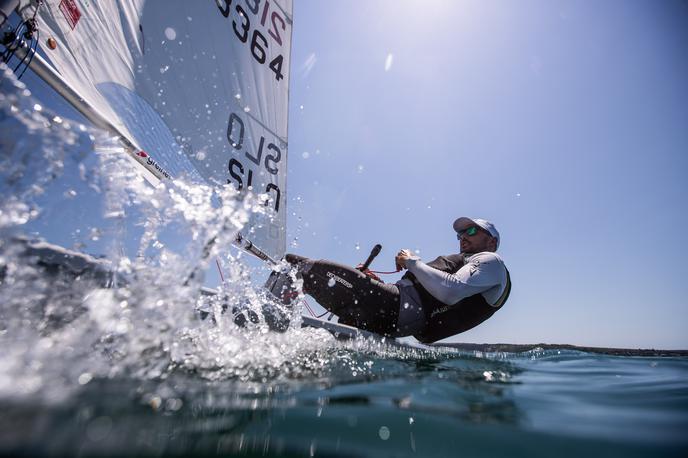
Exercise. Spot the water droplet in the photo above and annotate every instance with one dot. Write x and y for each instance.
(384, 433)
(164, 69)
(37, 107)
(388, 61)
(170, 33)
(305, 155)
(85, 378)
(155, 402)
(331, 282)
(94, 234)
(174, 404)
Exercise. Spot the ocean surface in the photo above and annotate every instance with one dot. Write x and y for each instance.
(128, 368)
(366, 399)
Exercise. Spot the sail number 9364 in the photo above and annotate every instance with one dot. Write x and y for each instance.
(267, 157)
(258, 43)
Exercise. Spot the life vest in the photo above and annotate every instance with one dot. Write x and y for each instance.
(444, 320)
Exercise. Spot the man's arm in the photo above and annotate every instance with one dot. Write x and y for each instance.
(480, 274)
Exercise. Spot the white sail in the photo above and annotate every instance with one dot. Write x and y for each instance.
(201, 87)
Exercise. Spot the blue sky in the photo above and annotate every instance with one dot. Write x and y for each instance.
(564, 123)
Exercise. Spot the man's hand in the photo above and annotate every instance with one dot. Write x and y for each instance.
(401, 257)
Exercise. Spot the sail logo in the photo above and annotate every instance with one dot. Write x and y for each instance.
(444, 309)
(151, 163)
(70, 11)
(340, 280)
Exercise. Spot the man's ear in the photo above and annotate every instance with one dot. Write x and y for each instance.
(492, 244)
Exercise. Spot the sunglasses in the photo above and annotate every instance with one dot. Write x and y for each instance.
(471, 231)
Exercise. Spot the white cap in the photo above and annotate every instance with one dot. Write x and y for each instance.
(464, 222)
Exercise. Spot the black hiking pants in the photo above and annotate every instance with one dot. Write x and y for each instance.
(355, 298)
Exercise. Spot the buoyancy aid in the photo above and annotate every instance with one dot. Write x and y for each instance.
(444, 320)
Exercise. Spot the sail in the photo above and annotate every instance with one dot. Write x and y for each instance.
(201, 87)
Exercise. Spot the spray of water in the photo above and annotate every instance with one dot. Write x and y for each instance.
(135, 309)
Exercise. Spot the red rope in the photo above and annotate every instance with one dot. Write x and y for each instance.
(384, 273)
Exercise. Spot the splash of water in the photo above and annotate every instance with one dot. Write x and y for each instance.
(135, 312)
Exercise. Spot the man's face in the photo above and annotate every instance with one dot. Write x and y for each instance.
(478, 242)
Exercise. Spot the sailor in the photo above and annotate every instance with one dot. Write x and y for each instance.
(432, 301)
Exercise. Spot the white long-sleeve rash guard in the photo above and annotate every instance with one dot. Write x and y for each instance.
(482, 273)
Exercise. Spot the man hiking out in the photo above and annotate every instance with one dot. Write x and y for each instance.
(431, 301)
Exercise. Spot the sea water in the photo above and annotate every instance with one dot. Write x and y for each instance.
(132, 370)
(362, 399)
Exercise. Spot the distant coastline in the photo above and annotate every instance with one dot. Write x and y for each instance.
(519, 348)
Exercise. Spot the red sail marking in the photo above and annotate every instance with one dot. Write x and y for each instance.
(71, 12)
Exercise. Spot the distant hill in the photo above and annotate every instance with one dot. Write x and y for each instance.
(518, 348)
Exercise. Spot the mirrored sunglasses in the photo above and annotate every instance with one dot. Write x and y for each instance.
(469, 231)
